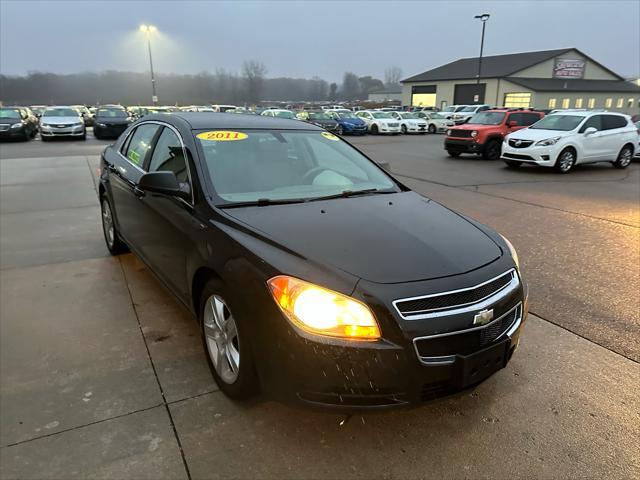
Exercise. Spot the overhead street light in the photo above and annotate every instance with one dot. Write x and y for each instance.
(483, 18)
(148, 30)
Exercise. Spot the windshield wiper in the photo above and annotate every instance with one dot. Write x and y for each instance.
(352, 193)
(262, 202)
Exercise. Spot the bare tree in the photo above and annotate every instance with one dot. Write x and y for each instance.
(333, 91)
(392, 76)
(254, 72)
(350, 86)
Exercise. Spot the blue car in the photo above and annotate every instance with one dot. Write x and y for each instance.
(348, 122)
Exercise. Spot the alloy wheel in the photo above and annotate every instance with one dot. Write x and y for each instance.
(625, 158)
(566, 160)
(107, 223)
(221, 335)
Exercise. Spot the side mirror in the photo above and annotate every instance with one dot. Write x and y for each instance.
(590, 131)
(512, 123)
(165, 183)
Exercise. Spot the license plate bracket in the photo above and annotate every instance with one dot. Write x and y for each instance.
(478, 366)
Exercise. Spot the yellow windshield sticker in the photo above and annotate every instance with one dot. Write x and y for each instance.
(329, 136)
(222, 136)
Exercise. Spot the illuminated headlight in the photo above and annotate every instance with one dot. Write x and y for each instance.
(78, 124)
(449, 132)
(474, 133)
(101, 124)
(513, 252)
(45, 125)
(321, 311)
(16, 125)
(548, 141)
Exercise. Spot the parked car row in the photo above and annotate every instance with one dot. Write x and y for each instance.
(562, 139)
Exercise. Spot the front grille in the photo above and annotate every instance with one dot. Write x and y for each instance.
(4, 128)
(519, 143)
(517, 156)
(393, 124)
(461, 133)
(465, 342)
(450, 300)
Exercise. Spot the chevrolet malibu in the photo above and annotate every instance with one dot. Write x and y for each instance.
(314, 275)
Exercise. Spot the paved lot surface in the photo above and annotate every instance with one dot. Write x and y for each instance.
(102, 373)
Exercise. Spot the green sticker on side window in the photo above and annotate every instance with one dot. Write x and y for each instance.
(134, 156)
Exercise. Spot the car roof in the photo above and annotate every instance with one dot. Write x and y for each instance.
(204, 120)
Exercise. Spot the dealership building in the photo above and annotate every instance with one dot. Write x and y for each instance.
(550, 79)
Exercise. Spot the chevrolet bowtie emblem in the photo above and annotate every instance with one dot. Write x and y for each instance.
(483, 317)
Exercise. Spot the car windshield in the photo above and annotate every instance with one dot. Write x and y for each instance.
(284, 114)
(286, 165)
(408, 115)
(435, 116)
(381, 115)
(558, 122)
(61, 112)
(470, 108)
(487, 118)
(318, 116)
(9, 113)
(346, 115)
(449, 109)
(114, 113)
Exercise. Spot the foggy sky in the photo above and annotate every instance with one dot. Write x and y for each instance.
(303, 39)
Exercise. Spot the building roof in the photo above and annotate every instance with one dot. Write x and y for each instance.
(494, 66)
(574, 85)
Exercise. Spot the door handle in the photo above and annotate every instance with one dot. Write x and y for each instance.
(111, 167)
(138, 192)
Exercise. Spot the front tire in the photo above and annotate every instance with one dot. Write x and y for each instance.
(566, 161)
(403, 129)
(340, 130)
(513, 163)
(225, 342)
(111, 238)
(432, 128)
(374, 129)
(492, 150)
(624, 157)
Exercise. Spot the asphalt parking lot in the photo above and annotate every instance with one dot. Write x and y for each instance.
(102, 374)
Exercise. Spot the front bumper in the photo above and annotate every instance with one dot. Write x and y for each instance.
(77, 131)
(111, 131)
(460, 145)
(11, 133)
(388, 129)
(417, 128)
(398, 370)
(543, 156)
(359, 129)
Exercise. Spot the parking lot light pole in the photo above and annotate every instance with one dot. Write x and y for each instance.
(148, 30)
(483, 18)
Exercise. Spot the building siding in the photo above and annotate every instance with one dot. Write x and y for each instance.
(592, 71)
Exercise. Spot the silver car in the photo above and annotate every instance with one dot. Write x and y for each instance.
(62, 122)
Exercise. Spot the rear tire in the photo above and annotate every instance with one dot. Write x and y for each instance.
(513, 163)
(624, 157)
(566, 161)
(224, 339)
(374, 129)
(453, 154)
(492, 150)
(340, 130)
(111, 237)
(43, 138)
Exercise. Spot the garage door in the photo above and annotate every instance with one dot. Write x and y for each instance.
(469, 93)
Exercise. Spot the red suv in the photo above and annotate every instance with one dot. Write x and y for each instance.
(485, 131)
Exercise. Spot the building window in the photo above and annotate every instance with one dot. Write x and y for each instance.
(591, 103)
(608, 102)
(565, 103)
(578, 103)
(620, 103)
(630, 103)
(552, 103)
(517, 100)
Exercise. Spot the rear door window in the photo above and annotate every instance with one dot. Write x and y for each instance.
(609, 122)
(595, 122)
(138, 147)
(529, 119)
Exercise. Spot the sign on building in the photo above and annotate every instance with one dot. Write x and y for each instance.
(568, 68)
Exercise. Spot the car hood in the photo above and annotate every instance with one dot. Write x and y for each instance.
(60, 120)
(112, 120)
(323, 122)
(537, 134)
(473, 126)
(352, 121)
(9, 121)
(389, 238)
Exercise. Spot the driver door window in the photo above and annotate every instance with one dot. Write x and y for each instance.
(168, 155)
(141, 140)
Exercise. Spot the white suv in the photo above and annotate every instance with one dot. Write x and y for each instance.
(379, 122)
(565, 139)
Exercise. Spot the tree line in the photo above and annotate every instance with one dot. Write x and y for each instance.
(250, 87)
